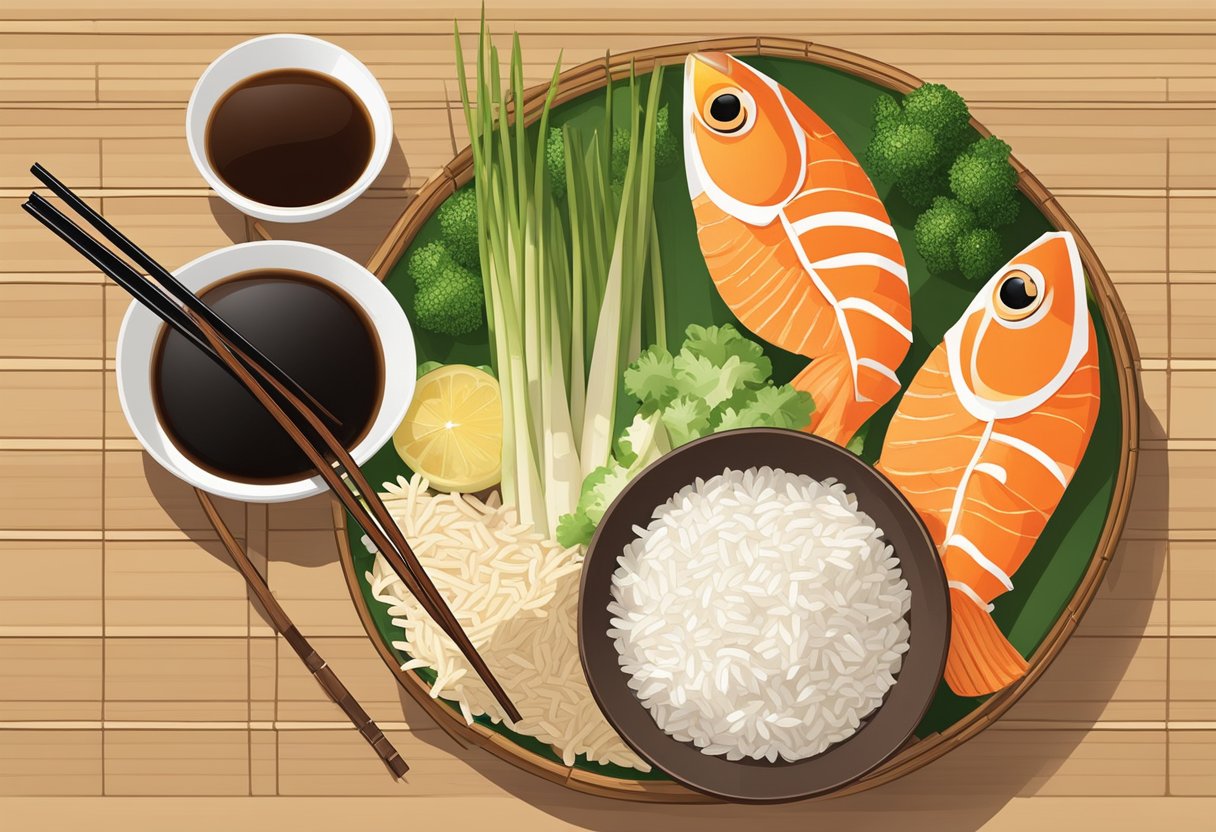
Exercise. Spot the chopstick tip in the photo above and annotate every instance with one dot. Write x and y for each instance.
(397, 766)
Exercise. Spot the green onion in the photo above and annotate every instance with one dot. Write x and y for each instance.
(563, 320)
(618, 332)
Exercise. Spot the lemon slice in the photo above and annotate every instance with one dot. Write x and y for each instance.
(452, 433)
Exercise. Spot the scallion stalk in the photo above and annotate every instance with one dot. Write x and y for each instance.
(563, 320)
(618, 332)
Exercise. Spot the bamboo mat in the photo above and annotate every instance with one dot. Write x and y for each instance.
(131, 662)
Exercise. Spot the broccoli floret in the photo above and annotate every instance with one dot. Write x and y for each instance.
(1001, 212)
(427, 262)
(991, 147)
(914, 142)
(555, 161)
(902, 152)
(666, 143)
(979, 253)
(450, 302)
(938, 231)
(919, 145)
(920, 192)
(450, 297)
(619, 156)
(617, 187)
(666, 149)
(942, 112)
(458, 224)
(886, 109)
(983, 179)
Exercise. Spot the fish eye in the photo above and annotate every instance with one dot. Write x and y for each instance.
(725, 113)
(1017, 296)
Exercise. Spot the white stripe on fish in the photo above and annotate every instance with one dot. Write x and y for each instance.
(843, 219)
(970, 593)
(878, 367)
(1034, 452)
(993, 470)
(863, 258)
(973, 551)
(876, 311)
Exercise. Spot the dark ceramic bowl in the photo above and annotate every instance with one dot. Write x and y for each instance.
(883, 733)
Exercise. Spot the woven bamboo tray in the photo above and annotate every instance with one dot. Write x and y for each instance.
(916, 753)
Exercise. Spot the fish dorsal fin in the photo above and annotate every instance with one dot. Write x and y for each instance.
(986, 409)
(700, 181)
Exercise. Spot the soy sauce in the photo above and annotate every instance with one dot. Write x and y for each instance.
(306, 327)
(289, 138)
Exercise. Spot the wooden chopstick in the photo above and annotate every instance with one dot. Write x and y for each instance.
(122, 273)
(333, 463)
(174, 287)
(106, 261)
(333, 686)
(317, 666)
(351, 488)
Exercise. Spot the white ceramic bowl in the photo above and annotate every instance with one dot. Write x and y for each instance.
(141, 329)
(268, 53)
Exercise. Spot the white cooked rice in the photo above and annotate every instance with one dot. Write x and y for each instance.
(516, 595)
(760, 615)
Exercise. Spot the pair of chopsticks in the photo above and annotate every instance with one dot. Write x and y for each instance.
(143, 291)
(281, 397)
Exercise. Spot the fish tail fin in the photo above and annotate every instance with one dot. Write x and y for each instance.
(838, 413)
(981, 659)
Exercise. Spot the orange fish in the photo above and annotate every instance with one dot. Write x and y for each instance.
(796, 240)
(988, 436)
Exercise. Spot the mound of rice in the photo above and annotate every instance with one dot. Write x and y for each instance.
(760, 615)
(516, 595)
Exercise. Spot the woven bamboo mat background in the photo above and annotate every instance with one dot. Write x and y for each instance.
(131, 662)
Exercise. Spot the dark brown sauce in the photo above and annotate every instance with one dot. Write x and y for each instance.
(289, 138)
(306, 327)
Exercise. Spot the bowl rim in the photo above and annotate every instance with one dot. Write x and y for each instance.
(140, 330)
(881, 735)
(326, 59)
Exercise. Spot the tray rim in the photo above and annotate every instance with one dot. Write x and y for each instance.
(593, 75)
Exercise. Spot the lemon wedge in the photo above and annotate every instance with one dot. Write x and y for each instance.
(452, 433)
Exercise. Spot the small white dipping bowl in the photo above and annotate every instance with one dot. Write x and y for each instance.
(141, 329)
(274, 52)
